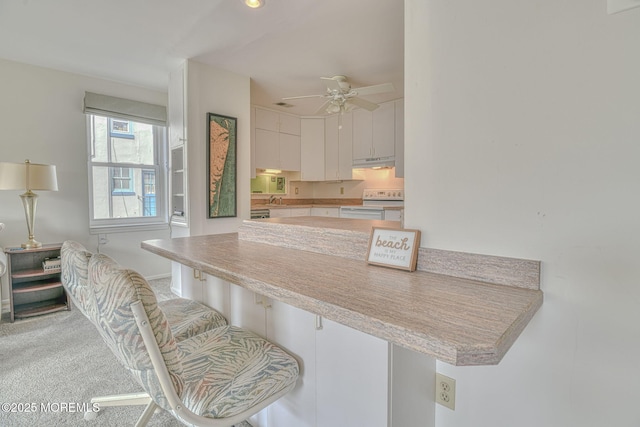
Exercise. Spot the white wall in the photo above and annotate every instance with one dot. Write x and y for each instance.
(523, 139)
(210, 90)
(41, 120)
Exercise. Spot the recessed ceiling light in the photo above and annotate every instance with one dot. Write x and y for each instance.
(254, 4)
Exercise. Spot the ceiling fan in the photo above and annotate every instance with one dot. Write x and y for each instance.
(341, 97)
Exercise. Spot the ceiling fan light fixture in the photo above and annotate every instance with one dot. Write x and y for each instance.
(254, 4)
(333, 108)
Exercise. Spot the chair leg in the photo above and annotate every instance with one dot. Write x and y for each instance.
(147, 414)
(122, 399)
(119, 400)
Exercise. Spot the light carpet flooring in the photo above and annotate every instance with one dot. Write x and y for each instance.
(52, 365)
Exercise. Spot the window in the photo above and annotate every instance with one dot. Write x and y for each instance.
(122, 182)
(121, 128)
(126, 173)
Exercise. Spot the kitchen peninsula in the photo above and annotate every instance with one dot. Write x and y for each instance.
(463, 309)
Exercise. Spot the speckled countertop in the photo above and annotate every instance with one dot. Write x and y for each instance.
(459, 320)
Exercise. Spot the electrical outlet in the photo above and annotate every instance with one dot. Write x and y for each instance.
(102, 239)
(341, 190)
(296, 190)
(446, 391)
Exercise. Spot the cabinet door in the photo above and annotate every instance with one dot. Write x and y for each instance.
(352, 376)
(345, 156)
(331, 148)
(383, 140)
(246, 310)
(330, 212)
(312, 150)
(300, 211)
(290, 124)
(294, 330)
(399, 104)
(289, 152)
(267, 120)
(362, 134)
(279, 213)
(267, 149)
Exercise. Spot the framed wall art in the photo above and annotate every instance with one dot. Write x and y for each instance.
(222, 166)
(394, 247)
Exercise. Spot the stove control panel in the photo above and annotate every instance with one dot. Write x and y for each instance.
(383, 194)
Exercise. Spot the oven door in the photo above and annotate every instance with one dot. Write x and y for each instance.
(361, 212)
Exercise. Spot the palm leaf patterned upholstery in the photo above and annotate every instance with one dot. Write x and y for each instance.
(74, 264)
(216, 374)
(115, 288)
(186, 317)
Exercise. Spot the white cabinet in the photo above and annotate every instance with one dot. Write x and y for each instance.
(277, 122)
(347, 377)
(339, 147)
(292, 329)
(374, 133)
(312, 140)
(276, 140)
(331, 212)
(393, 214)
(287, 212)
(300, 211)
(399, 156)
(384, 125)
(279, 213)
(267, 149)
(274, 150)
(352, 376)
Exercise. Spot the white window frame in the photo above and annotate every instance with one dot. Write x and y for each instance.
(143, 223)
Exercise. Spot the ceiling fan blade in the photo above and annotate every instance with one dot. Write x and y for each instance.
(370, 90)
(370, 106)
(323, 108)
(303, 96)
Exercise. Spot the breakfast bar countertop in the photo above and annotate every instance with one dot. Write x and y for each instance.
(458, 320)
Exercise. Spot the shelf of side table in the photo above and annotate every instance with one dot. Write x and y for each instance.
(32, 289)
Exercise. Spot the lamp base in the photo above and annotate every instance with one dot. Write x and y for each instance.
(31, 244)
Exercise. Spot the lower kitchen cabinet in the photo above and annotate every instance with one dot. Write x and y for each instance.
(352, 377)
(294, 330)
(347, 377)
(287, 212)
(331, 212)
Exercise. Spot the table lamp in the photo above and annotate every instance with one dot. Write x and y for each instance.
(28, 176)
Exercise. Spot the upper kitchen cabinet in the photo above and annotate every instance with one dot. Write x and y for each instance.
(399, 104)
(374, 136)
(277, 140)
(277, 122)
(338, 147)
(312, 141)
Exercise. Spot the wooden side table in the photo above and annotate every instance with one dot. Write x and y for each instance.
(34, 289)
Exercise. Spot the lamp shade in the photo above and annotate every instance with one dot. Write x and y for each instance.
(28, 176)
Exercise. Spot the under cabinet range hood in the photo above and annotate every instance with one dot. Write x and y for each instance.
(375, 162)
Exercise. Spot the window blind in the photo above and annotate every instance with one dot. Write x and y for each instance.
(120, 108)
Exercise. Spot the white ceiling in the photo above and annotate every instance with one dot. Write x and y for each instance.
(285, 46)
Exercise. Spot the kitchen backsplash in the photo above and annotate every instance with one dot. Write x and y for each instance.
(369, 178)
